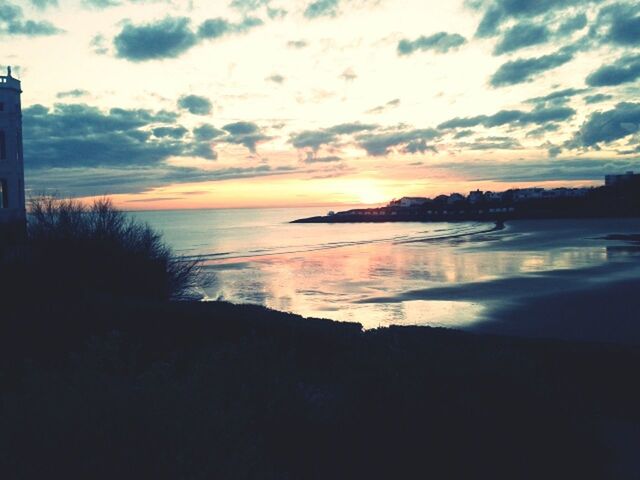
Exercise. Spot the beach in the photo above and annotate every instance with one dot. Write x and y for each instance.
(544, 278)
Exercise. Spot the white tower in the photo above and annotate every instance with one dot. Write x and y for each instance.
(12, 202)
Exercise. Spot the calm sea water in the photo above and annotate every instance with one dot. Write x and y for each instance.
(373, 273)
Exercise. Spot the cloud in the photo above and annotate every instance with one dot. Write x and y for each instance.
(573, 24)
(297, 44)
(312, 158)
(387, 106)
(489, 143)
(206, 132)
(104, 180)
(244, 133)
(12, 22)
(314, 139)
(195, 104)
(497, 12)
(79, 135)
(75, 93)
(167, 38)
(524, 69)
(539, 170)
(275, 78)
(597, 98)
(172, 36)
(217, 27)
(624, 70)
(42, 4)
(537, 116)
(559, 97)
(520, 36)
(348, 75)
(98, 46)
(321, 8)
(621, 22)
(409, 141)
(101, 3)
(543, 130)
(172, 132)
(440, 42)
(605, 127)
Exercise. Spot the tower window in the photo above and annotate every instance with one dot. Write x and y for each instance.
(4, 194)
(3, 146)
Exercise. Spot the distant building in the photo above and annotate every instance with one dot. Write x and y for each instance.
(528, 194)
(455, 198)
(493, 196)
(12, 201)
(410, 202)
(475, 196)
(616, 180)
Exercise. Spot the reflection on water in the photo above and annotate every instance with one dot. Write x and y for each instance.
(336, 271)
(329, 283)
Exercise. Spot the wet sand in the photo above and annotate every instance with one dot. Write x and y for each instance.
(598, 303)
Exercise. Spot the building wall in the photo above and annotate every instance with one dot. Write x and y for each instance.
(11, 154)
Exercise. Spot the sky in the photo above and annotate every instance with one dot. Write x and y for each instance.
(250, 103)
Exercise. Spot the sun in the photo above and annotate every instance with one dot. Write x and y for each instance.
(367, 192)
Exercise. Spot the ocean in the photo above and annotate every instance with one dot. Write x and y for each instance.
(378, 274)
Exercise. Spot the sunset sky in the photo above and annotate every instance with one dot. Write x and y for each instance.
(238, 103)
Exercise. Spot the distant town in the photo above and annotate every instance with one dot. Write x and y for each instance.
(619, 196)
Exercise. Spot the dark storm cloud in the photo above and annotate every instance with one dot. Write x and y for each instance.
(321, 8)
(624, 70)
(13, 22)
(524, 69)
(605, 127)
(520, 36)
(195, 104)
(539, 116)
(408, 141)
(440, 42)
(172, 36)
(75, 93)
(597, 98)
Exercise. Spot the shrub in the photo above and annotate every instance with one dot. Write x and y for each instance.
(97, 249)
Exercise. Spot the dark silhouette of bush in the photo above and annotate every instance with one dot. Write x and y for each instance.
(97, 250)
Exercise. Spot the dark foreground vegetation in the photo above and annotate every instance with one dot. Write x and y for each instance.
(113, 385)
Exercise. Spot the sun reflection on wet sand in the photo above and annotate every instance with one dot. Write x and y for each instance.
(346, 283)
